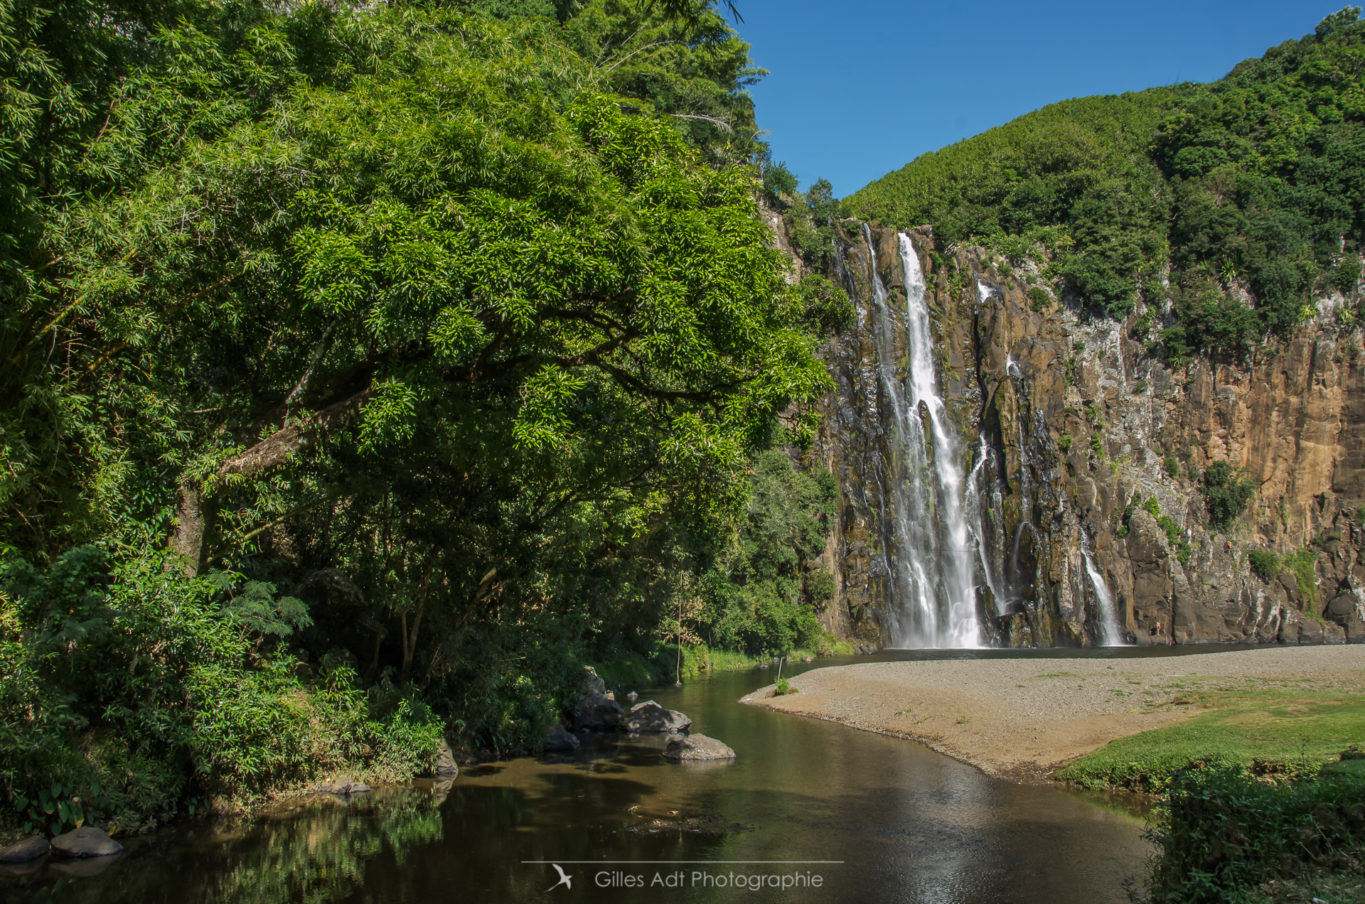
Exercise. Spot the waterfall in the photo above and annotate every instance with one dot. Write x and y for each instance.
(1111, 627)
(928, 550)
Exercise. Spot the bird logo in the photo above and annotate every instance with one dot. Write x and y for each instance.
(564, 879)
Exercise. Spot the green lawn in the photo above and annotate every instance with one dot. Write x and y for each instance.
(1269, 731)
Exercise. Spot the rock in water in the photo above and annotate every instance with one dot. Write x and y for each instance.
(696, 748)
(344, 787)
(24, 850)
(559, 739)
(444, 765)
(592, 684)
(87, 841)
(651, 718)
(596, 711)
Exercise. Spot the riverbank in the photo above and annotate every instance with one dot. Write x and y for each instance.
(1023, 719)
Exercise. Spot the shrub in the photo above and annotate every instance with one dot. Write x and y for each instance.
(1303, 565)
(1226, 494)
(129, 692)
(1264, 564)
(778, 181)
(1347, 275)
(1224, 833)
(761, 594)
(823, 307)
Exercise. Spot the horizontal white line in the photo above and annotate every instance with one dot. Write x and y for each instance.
(709, 862)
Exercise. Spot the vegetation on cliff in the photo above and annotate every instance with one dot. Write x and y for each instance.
(1245, 194)
(369, 368)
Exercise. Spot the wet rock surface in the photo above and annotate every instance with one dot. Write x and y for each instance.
(343, 787)
(24, 850)
(649, 717)
(1084, 441)
(444, 765)
(696, 748)
(87, 841)
(596, 710)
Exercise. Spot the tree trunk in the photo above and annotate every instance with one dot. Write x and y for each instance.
(193, 527)
(191, 524)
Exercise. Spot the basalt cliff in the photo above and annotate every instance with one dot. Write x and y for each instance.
(1062, 466)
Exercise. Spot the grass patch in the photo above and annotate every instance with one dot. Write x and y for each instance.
(1289, 732)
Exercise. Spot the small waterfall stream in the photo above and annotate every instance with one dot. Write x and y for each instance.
(928, 554)
(1111, 627)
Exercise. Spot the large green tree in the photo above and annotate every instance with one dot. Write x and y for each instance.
(448, 301)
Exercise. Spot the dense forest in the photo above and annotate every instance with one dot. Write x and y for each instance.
(1242, 201)
(369, 369)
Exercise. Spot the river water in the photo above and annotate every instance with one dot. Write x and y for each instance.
(891, 820)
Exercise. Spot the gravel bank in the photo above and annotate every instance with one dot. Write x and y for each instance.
(1022, 718)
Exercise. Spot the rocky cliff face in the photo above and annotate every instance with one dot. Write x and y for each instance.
(1082, 444)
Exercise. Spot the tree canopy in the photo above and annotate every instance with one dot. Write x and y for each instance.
(414, 346)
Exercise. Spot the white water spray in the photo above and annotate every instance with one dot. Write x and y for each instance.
(1111, 627)
(929, 553)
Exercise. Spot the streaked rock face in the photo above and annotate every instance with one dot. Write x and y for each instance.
(1066, 422)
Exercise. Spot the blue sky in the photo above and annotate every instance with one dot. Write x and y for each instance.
(857, 88)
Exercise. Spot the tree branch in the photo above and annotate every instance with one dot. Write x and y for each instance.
(278, 447)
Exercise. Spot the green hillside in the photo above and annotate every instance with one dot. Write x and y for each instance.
(1255, 182)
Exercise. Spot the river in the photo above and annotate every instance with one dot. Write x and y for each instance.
(837, 814)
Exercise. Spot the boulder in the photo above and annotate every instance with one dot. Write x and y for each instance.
(596, 710)
(696, 748)
(559, 739)
(343, 786)
(24, 850)
(651, 718)
(1348, 611)
(87, 841)
(444, 765)
(592, 684)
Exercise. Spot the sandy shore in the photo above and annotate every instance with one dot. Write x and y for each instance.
(1022, 718)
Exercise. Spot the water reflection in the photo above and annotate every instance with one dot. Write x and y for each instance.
(905, 823)
(319, 850)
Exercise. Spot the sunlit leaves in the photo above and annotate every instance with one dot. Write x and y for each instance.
(543, 421)
(336, 271)
(389, 417)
